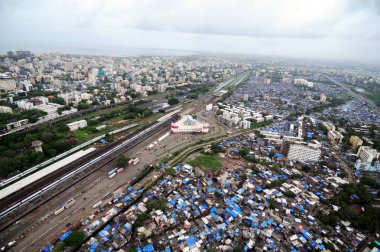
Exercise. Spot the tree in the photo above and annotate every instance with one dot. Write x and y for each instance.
(59, 247)
(83, 105)
(170, 171)
(57, 100)
(109, 138)
(66, 107)
(74, 239)
(244, 152)
(173, 101)
(158, 204)
(122, 161)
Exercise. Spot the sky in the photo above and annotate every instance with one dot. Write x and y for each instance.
(323, 29)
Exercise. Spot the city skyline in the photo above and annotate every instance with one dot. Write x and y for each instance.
(202, 125)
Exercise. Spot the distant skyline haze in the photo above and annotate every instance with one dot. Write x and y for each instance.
(326, 29)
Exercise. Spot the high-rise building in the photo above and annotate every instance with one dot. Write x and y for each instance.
(367, 154)
(303, 82)
(304, 153)
(23, 54)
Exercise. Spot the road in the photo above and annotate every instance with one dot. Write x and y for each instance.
(353, 94)
(38, 230)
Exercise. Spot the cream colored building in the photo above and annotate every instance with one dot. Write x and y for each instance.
(5, 109)
(335, 136)
(355, 141)
(77, 125)
(8, 84)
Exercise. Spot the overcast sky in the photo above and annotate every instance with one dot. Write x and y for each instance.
(333, 29)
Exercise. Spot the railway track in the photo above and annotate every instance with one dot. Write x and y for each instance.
(25, 192)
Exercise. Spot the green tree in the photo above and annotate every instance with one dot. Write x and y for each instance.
(173, 101)
(75, 239)
(244, 152)
(122, 161)
(57, 100)
(59, 247)
(83, 105)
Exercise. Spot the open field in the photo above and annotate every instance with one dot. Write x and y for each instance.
(207, 162)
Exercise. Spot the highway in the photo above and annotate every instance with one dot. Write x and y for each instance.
(352, 93)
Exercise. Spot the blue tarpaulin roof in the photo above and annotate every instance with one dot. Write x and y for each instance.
(240, 191)
(148, 248)
(231, 212)
(210, 190)
(214, 216)
(305, 234)
(191, 240)
(65, 235)
(49, 248)
(93, 247)
(126, 198)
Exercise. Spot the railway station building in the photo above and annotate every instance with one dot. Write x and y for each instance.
(187, 124)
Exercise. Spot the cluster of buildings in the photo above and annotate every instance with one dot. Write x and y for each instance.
(40, 103)
(101, 79)
(283, 97)
(236, 209)
(271, 207)
(114, 234)
(303, 82)
(333, 135)
(240, 116)
(58, 71)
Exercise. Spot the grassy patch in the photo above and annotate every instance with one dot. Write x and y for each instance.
(207, 162)
(80, 135)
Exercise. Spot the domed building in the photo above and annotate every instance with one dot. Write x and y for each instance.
(187, 124)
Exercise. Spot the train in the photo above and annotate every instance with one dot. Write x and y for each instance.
(138, 136)
(79, 147)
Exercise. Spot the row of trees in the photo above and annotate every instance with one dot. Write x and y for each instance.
(16, 153)
(32, 115)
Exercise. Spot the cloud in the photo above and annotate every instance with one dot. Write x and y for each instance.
(235, 22)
